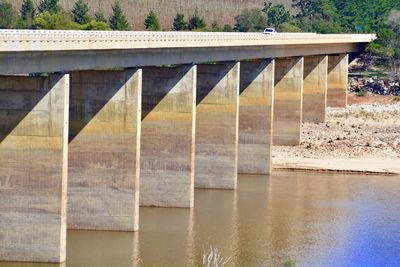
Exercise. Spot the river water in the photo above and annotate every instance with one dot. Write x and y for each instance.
(309, 219)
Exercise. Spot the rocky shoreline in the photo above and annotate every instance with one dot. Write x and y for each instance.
(380, 86)
(350, 136)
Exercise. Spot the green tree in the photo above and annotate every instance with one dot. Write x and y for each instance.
(8, 16)
(118, 20)
(151, 22)
(80, 12)
(28, 12)
(179, 23)
(276, 14)
(51, 6)
(215, 27)
(250, 20)
(99, 16)
(55, 21)
(317, 16)
(364, 15)
(196, 22)
(388, 43)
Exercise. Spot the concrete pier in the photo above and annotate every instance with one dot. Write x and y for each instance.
(315, 88)
(33, 167)
(288, 101)
(255, 116)
(337, 80)
(168, 136)
(104, 150)
(217, 125)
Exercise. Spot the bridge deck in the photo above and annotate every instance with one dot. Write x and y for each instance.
(55, 40)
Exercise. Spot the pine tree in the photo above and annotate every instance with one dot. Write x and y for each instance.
(28, 12)
(80, 12)
(99, 16)
(50, 6)
(215, 27)
(179, 23)
(118, 20)
(151, 22)
(196, 22)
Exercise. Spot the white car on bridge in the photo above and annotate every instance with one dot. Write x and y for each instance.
(270, 31)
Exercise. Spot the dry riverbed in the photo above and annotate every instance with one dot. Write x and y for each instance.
(369, 128)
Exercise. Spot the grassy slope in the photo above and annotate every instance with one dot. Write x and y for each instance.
(222, 11)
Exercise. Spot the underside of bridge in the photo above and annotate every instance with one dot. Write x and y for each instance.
(145, 132)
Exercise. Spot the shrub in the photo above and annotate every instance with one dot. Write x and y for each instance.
(215, 27)
(94, 25)
(361, 93)
(55, 21)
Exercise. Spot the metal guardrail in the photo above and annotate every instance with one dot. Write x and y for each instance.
(56, 40)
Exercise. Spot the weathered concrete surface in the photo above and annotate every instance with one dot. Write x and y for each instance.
(104, 150)
(255, 116)
(217, 125)
(288, 101)
(168, 136)
(337, 80)
(33, 167)
(315, 88)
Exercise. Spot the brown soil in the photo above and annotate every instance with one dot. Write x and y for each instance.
(368, 128)
(352, 99)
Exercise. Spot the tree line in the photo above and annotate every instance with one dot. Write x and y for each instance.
(321, 16)
(49, 14)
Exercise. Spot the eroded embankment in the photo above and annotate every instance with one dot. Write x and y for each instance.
(362, 137)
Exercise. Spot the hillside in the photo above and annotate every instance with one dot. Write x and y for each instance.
(222, 11)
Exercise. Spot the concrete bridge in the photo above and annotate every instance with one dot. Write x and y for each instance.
(179, 110)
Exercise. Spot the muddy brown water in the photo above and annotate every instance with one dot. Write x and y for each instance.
(311, 219)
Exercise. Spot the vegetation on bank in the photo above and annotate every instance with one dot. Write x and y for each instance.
(321, 16)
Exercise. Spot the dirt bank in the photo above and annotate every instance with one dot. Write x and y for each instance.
(368, 128)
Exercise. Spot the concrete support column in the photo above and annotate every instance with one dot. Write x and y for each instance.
(33, 167)
(104, 150)
(168, 136)
(315, 88)
(255, 116)
(217, 125)
(337, 80)
(288, 101)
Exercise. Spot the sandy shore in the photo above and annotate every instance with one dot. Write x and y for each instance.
(363, 137)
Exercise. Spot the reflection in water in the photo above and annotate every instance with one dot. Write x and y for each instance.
(27, 264)
(313, 219)
(165, 237)
(101, 249)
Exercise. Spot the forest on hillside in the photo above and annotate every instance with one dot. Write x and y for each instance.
(321, 16)
(222, 11)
